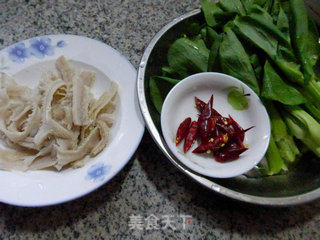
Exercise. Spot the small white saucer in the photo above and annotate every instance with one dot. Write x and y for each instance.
(179, 104)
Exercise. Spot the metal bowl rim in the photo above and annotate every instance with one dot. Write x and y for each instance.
(267, 201)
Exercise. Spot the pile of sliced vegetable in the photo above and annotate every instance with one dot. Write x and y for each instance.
(221, 136)
(273, 47)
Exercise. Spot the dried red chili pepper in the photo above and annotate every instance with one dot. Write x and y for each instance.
(211, 126)
(207, 128)
(191, 137)
(231, 127)
(226, 128)
(202, 128)
(223, 136)
(206, 113)
(217, 131)
(234, 148)
(213, 144)
(215, 113)
(200, 105)
(246, 130)
(230, 155)
(221, 120)
(183, 130)
(238, 130)
(231, 151)
(206, 124)
(226, 157)
(234, 151)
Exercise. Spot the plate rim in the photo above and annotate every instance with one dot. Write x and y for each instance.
(130, 154)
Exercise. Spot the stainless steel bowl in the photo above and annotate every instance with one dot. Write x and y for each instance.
(292, 189)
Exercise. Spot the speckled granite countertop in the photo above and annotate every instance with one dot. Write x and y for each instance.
(149, 184)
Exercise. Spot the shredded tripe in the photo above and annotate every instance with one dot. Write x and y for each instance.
(56, 124)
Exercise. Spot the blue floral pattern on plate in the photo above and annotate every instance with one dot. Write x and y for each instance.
(98, 171)
(18, 52)
(61, 44)
(39, 47)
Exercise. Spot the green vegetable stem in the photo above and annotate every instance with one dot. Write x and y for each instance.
(284, 141)
(304, 127)
(274, 160)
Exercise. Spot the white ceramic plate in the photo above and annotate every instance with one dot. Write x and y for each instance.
(26, 61)
(179, 104)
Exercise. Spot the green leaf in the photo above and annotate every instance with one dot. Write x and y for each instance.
(235, 61)
(261, 3)
(255, 62)
(257, 36)
(194, 28)
(313, 42)
(287, 55)
(283, 23)
(233, 6)
(290, 69)
(155, 94)
(275, 10)
(274, 88)
(247, 4)
(281, 20)
(172, 81)
(187, 57)
(254, 59)
(167, 70)
(285, 5)
(203, 35)
(304, 43)
(159, 88)
(199, 42)
(211, 36)
(268, 5)
(262, 39)
(214, 41)
(210, 10)
(237, 98)
(213, 14)
(262, 18)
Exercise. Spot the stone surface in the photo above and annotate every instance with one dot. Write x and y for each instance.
(149, 184)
